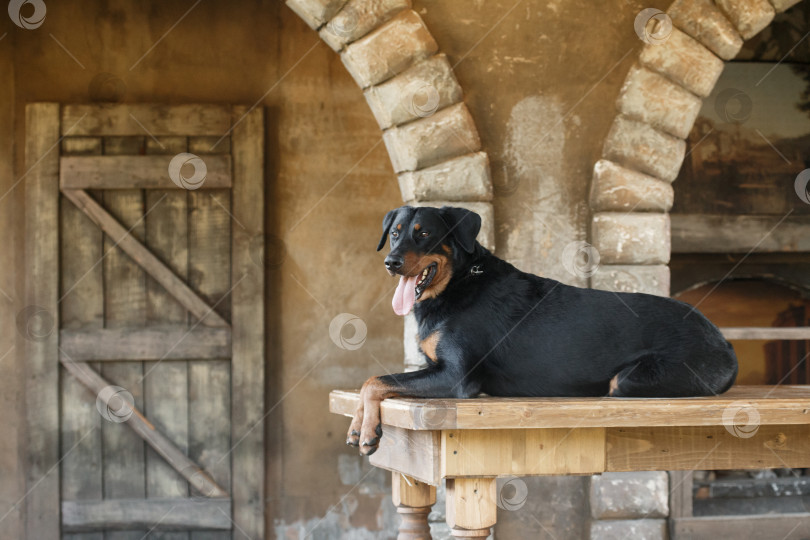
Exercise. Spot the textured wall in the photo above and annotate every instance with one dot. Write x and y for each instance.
(328, 184)
(553, 71)
(540, 79)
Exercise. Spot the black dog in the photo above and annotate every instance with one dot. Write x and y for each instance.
(485, 326)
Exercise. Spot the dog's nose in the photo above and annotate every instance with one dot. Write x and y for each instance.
(393, 262)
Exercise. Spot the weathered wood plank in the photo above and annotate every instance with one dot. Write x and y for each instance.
(82, 309)
(209, 145)
(793, 333)
(210, 382)
(168, 145)
(162, 514)
(122, 238)
(124, 146)
(415, 453)
(155, 120)
(124, 454)
(165, 381)
(170, 342)
(522, 452)
(209, 437)
(707, 447)
(210, 248)
(41, 297)
(146, 431)
(780, 527)
(776, 405)
(680, 493)
(135, 172)
(247, 363)
(81, 146)
(708, 233)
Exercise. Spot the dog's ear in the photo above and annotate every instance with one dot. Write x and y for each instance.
(464, 225)
(388, 220)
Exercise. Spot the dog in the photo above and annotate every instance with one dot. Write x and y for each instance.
(485, 326)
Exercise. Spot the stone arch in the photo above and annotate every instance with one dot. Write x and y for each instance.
(416, 99)
(631, 192)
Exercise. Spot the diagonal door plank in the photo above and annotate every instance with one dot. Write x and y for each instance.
(144, 258)
(197, 477)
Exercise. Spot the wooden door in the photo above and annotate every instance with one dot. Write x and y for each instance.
(145, 374)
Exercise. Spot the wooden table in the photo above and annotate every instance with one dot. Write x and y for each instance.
(471, 442)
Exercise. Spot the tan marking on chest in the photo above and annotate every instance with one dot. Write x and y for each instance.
(429, 344)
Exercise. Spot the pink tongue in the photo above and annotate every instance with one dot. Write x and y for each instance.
(405, 295)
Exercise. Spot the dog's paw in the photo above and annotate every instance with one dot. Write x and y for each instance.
(371, 441)
(353, 438)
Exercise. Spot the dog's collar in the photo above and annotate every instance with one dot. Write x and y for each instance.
(476, 269)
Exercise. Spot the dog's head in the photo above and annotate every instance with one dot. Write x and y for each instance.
(425, 245)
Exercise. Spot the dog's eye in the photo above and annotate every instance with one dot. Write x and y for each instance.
(394, 234)
(424, 234)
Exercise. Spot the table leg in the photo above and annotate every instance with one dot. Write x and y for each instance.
(471, 506)
(413, 500)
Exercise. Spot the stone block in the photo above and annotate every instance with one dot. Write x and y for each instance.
(418, 92)
(639, 146)
(632, 238)
(625, 278)
(748, 16)
(461, 179)
(315, 12)
(655, 100)
(615, 188)
(438, 513)
(622, 529)
(426, 142)
(783, 5)
(389, 50)
(486, 237)
(629, 495)
(439, 530)
(685, 61)
(358, 18)
(702, 20)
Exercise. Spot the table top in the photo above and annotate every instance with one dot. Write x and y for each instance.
(760, 405)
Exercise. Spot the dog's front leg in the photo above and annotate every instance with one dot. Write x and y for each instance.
(353, 437)
(431, 382)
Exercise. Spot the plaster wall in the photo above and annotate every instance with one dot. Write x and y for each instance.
(540, 79)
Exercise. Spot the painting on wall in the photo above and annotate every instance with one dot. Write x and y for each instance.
(749, 143)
